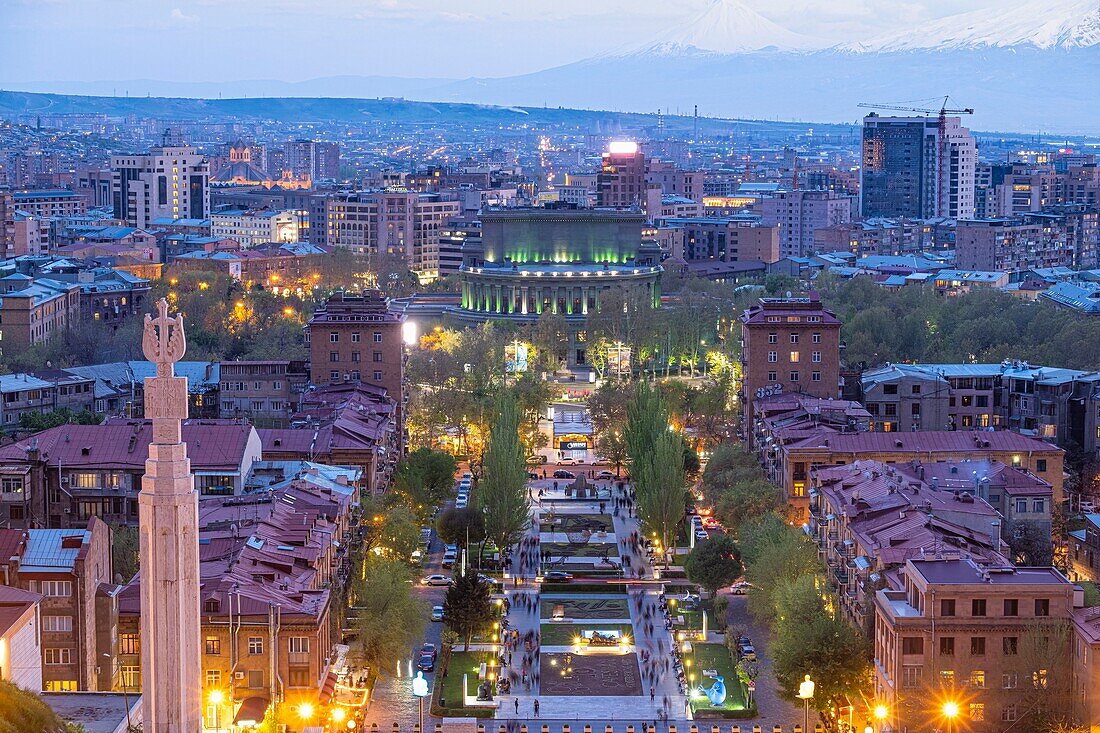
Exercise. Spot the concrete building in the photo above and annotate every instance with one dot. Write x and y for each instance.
(1012, 245)
(402, 223)
(560, 260)
(33, 311)
(29, 394)
(169, 181)
(911, 169)
(356, 338)
(49, 204)
(252, 228)
(981, 635)
(788, 345)
(729, 239)
(900, 397)
(66, 567)
(798, 214)
(621, 182)
(265, 392)
(69, 475)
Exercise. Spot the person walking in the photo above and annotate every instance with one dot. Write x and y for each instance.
(536, 707)
(517, 706)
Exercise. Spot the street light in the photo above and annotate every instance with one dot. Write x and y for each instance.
(217, 697)
(806, 693)
(420, 689)
(305, 711)
(950, 712)
(881, 712)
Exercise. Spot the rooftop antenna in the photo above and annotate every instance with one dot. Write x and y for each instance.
(695, 130)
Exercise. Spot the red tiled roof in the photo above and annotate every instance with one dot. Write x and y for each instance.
(124, 444)
(925, 441)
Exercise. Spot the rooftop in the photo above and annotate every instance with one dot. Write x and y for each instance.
(959, 572)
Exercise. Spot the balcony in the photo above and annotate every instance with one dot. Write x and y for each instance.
(841, 575)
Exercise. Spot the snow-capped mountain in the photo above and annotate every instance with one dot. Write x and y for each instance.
(724, 27)
(1062, 24)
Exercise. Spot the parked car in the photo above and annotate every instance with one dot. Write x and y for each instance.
(436, 580)
(449, 559)
(429, 649)
(711, 523)
(468, 475)
(567, 462)
(606, 475)
(741, 587)
(437, 613)
(461, 504)
(493, 582)
(426, 663)
(559, 575)
(701, 534)
(562, 473)
(533, 476)
(747, 652)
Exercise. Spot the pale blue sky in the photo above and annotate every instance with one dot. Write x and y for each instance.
(293, 40)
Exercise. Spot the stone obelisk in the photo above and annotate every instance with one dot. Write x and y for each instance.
(171, 687)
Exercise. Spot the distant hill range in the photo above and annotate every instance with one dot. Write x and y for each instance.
(1024, 65)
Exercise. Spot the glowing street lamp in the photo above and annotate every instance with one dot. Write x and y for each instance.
(217, 697)
(305, 711)
(950, 711)
(806, 693)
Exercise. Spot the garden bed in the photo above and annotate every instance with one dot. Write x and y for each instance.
(563, 634)
(716, 657)
(449, 688)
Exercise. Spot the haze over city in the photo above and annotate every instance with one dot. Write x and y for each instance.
(408, 366)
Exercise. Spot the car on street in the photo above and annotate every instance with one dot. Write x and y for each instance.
(701, 534)
(468, 475)
(436, 580)
(492, 582)
(429, 649)
(558, 575)
(741, 587)
(437, 613)
(533, 476)
(605, 476)
(461, 503)
(426, 663)
(449, 558)
(711, 523)
(562, 473)
(567, 462)
(746, 652)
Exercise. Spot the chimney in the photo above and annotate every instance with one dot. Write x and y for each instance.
(995, 533)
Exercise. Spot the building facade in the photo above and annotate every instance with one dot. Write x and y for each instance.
(798, 214)
(169, 181)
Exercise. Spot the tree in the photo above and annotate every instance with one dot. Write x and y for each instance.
(467, 608)
(714, 563)
(656, 458)
(390, 618)
(36, 422)
(745, 501)
(1031, 544)
(826, 648)
(400, 533)
(25, 712)
(774, 554)
(425, 478)
(124, 551)
(455, 526)
(612, 447)
(502, 494)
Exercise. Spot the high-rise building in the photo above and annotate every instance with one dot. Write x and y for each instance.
(790, 345)
(621, 182)
(403, 223)
(912, 169)
(7, 223)
(313, 159)
(798, 214)
(168, 182)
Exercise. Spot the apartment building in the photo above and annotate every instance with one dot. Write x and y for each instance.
(798, 215)
(66, 567)
(789, 345)
(172, 180)
(979, 636)
(402, 223)
(1012, 244)
(265, 392)
(50, 204)
(70, 475)
(34, 310)
(251, 228)
(901, 397)
(729, 239)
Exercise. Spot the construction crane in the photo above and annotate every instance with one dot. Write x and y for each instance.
(943, 111)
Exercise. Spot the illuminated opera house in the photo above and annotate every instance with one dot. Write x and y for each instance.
(557, 259)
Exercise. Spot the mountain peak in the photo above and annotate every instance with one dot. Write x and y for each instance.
(1060, 24)
(726, 27)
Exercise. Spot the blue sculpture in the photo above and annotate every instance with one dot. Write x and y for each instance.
(717, 692)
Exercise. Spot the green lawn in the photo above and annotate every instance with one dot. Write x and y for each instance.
(717, 658)
(587, 608)
(562, 634)
(591, 549)
(449, 688)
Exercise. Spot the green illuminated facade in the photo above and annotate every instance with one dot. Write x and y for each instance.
(559, 260)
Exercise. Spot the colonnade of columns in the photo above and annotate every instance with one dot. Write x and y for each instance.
(520, 299)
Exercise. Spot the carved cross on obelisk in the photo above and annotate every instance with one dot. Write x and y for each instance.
(169, 517)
